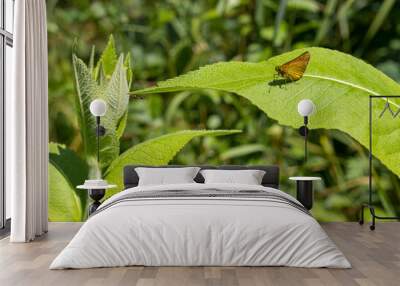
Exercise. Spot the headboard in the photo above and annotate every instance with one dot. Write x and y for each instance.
(270, 179)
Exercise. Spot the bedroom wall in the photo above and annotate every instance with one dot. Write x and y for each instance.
(169, 38)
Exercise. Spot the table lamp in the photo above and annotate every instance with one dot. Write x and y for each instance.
(98, 108)
(305, 108)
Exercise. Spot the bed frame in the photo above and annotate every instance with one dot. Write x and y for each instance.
(270, 179)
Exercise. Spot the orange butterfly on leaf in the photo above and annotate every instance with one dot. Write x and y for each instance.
(294, 69)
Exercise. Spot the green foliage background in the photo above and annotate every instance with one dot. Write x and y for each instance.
(168, 38)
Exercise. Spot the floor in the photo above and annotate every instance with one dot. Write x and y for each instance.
(375, 257)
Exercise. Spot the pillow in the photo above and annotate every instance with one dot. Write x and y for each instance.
(248, 177)
(166, 176)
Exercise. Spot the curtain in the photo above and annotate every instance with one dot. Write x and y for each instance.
(27, 124)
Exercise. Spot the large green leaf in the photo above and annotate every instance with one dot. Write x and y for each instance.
(74, 168)
(64, 204)
(117, 98)
(117, 92)
(338, 83)
(86, 89)
(66, 171)
(157, 151)
(109, 82)
(109, 58)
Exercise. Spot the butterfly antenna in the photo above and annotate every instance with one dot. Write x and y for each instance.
(397, 113)
(387, 106)
(390, 110)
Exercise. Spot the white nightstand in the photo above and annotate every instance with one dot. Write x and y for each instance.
(96, 193)
(304, 191)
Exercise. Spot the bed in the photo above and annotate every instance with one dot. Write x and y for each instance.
(198, 224)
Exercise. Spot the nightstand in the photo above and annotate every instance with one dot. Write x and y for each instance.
(304, 192)
(97, 190)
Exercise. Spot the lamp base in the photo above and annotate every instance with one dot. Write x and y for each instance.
(303, 130)
(100, 131)
(96, 195)
(305, 193)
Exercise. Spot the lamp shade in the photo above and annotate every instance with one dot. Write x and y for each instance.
(98, 107)
(306, 107)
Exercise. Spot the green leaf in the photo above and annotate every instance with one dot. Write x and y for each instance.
(109, 146)
(64, 205)
(173, 107)
(242, 150)
(121, 125)
(66, 171)
(86, 89)
(91, 61)
(74, 168)
(338, 201)
(109, 82)
(306, 5)
(324, 214)
(327, 21)
(157, 151)
(109, 57)
(117, 97)
(117, 92)
(339, 85)
(129, 71)
(380, 17)
(278, 21)
(342, 16)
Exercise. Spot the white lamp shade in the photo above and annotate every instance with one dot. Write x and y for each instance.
(98, 107)
(306, 107)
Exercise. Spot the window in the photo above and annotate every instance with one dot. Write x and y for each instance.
(6, 65)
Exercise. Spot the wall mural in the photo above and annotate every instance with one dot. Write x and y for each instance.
(219, 83)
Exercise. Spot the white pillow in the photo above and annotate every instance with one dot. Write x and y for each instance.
(166, 176)
(248, 177)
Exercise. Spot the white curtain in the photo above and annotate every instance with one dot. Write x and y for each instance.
(27, 123)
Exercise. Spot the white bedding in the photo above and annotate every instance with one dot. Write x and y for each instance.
(200, 231)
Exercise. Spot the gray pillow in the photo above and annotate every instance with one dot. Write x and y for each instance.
(166, 176)
(247, 177)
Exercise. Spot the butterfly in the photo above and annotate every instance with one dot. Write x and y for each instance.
(294, 69)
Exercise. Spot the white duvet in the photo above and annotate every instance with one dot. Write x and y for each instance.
(200, 231)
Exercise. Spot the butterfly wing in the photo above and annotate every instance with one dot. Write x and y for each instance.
(295, 68)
